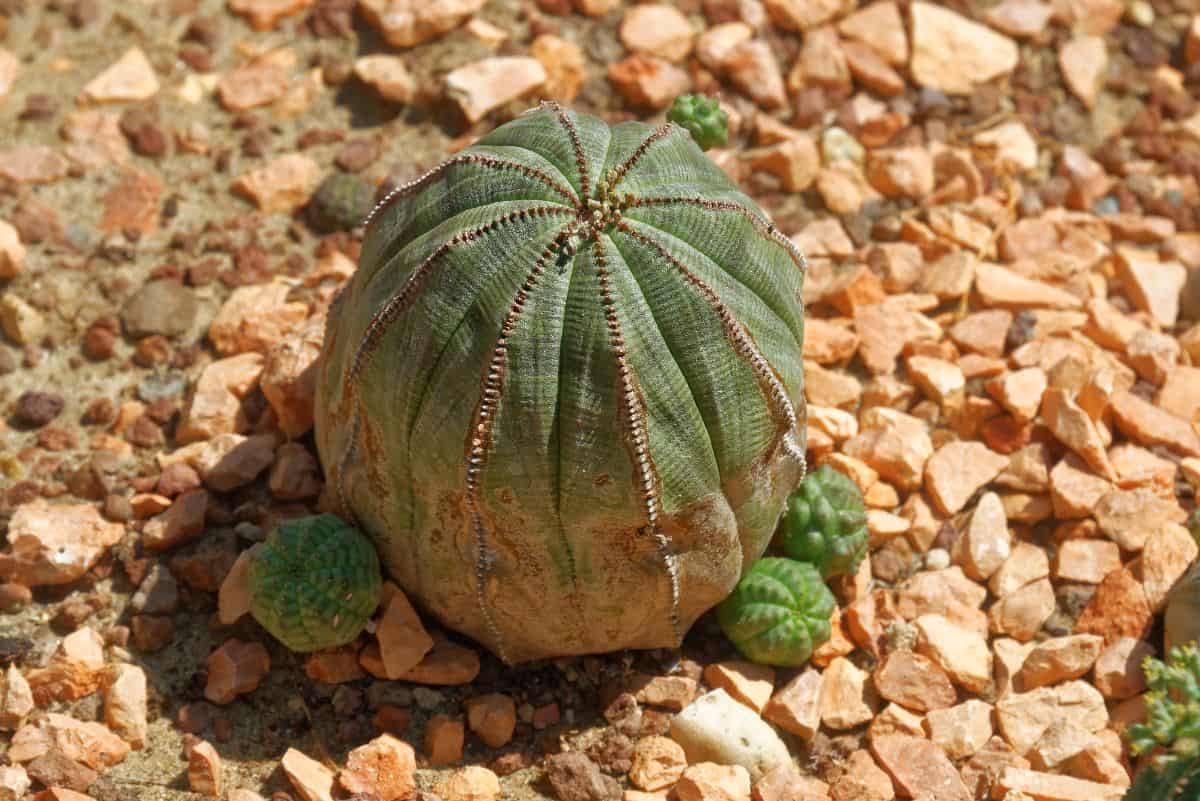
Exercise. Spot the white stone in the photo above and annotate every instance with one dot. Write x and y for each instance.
(716, 728)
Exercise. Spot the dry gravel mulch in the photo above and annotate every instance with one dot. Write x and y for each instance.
(1001, 209)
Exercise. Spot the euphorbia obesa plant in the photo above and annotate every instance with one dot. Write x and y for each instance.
(563, 392)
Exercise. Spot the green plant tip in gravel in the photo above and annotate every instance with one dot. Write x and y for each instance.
(703, 118)
(1172, 725)
(826, 523)
(315, 583)
(779, 612)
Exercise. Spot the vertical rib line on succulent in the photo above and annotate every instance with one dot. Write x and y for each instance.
(764, 228)
(477, 159)
(393, 308)
(634, 412)
(763, 233)
(743, 344)
(670, 352)
(617, 174)
(580, 159)
(479, 436)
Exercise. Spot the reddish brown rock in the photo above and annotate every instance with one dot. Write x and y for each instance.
(648, 82)
(796, 708)
(76, 669)
(235, 668)
(658, 762)
(444, 740)
(747, 682)
(919, 768)
(471, 783)
(492, 718)
(204, 769)
(55, 544)
(385, 768)
(961, 730)
(311, 780)
(914, 681)
(403, 640)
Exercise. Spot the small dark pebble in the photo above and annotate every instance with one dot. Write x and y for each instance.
(145, 433)
(38, 107)
(204, 30)
(149, 140)
(152, 351)
(332, 19)
(151, 634)
(99, 343)
(574, 777)
(71, 614)
(36, 409)
(13, 598)
(8, 361)
(341, 202)
(357, 155)
(613, 752)
(98, 412)
(335, 70)
(510, 763)
(160, 307)
(314, 137)
(194, 718)
(55, 769)
(83, 13)
(118, 508)
(196, 56)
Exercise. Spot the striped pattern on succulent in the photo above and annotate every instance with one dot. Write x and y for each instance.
(563, 392)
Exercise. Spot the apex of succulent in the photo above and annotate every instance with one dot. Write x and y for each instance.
(314, 583)
(703, 118)
(563, 393)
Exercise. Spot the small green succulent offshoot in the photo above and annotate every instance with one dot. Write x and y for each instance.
(826, 523)
(703, 118)
(779, 612)
(315, 583)
(1172, 725)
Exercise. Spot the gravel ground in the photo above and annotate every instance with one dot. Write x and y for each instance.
(1003, 347)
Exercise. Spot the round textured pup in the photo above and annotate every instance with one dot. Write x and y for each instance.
(563, 392)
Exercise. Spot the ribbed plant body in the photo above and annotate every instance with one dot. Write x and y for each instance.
(826, 523)
(314, 582)
(563, 392)
(779, 612)
(703, 118)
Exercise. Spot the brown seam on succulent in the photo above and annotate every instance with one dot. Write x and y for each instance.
(479, 435)
(399, 303)
(580, 160)
(763, 228)
(478, 159)
(743, 344)
(633, 408)
(617, 174)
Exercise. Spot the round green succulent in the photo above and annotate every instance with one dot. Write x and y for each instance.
(564, 391)
(779, 612)
(703, 118)
(315, 583)
(826, 523)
